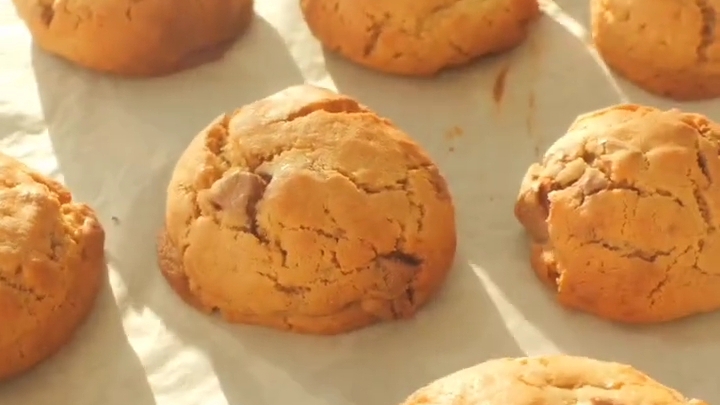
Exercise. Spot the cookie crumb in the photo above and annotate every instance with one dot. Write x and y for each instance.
(454, 132)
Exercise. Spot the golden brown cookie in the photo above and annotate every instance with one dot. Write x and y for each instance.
(136, 38)
(306, 211)
(667, 47)
(548, 380)
(624, 214)
(418, 37)
(51, 266)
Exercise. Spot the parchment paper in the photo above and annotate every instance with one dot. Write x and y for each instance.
(114, 143)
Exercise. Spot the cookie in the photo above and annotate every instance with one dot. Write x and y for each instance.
(667, 47)
(136, 38)
(548, 380)
(624, 213)
(418, 37)
(305, 211)
(51, 266)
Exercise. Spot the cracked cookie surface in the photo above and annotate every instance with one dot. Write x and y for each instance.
(623, 214)
(548, 380)
(418, 37)
(51, 266)
(136, 37)
(306, 211)
(667, 47)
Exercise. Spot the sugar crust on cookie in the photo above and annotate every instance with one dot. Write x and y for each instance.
(306, 211)
(418, 37)
(623, 213)
(548, 380)
(136, 38)
(51, 266)
(667, 47)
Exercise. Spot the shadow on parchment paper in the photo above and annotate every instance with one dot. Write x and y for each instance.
(97, 367)
(104, 128)
(381, 364)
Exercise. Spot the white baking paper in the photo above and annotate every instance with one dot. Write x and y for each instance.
(114, 143)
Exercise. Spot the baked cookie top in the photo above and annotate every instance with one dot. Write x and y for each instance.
(136, 38)
(418, 37)
(306, 203)
(44, 239)
(627, 203)
(668, 47)
(673, 34)
(548, 380)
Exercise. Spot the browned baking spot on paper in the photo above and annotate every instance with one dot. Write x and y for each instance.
(530, 122)
(529, 119)
(454, 132)
(451, 134)
(499, 86)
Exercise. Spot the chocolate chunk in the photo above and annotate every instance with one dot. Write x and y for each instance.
(236, 194)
